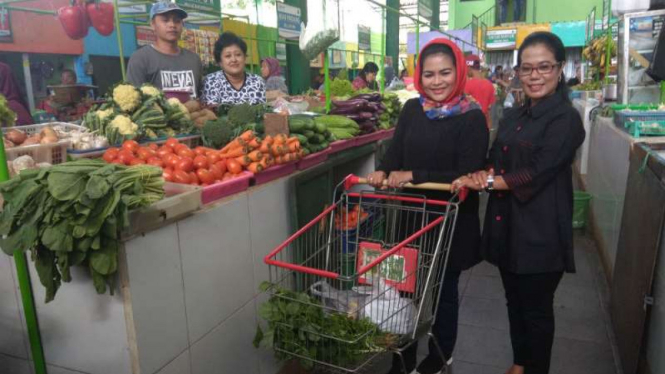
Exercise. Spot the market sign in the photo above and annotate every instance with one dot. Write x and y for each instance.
(425, 9)
(126, 7)
(145, 36)
(501, 39)
(590, 24)
(280, 51)
(288, 21)
(474, 30)
(526, 30)
(607, 12)
(5, 26)
(364, 38)
(212, 6)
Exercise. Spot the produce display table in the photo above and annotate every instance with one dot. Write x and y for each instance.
(607, 173)
(187, 297)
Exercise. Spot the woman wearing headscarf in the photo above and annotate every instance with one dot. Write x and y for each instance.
(440, 136)
(272, 74)
(9, 88)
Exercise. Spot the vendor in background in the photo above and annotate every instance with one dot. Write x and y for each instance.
(9, 88)
(367, 77)
(67, 78)
(232, 85)
(272, 74)
(440, 136)
(528, 231)
(164, 64)
(480, 88)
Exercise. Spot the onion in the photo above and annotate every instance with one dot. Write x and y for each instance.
(35, 139)
(16, 136)
(49, 139)
(8, 143)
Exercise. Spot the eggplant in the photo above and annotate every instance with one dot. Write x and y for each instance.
(374, 97)
(347, 110)
(366, 115)
(350, 102)
(355, 117)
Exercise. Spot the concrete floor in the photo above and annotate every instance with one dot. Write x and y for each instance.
(584, 342)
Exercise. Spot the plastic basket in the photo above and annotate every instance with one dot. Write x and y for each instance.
(621, 117)
(646, 128)
(54, 153)
(581, 201)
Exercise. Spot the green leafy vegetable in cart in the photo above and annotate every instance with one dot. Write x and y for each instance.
(72, 214)
(7, 116)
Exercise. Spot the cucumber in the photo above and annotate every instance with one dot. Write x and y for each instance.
(317, 139)
(308, 133)
(320, 127)
(302, 139)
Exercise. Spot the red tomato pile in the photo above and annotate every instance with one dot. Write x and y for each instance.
(181, 164)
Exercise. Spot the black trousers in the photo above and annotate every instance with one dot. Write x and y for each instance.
(444, 329)
(530, 299)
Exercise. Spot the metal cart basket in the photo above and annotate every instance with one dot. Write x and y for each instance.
(372, 262)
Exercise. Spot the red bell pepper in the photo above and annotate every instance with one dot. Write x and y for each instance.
(72, 21)
(102, 17)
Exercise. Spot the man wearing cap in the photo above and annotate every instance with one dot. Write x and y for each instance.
(479, 88)
(164, 64)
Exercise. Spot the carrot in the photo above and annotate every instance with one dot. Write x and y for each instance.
(264, 163)
(255, 155)
(265, 147)
(254, 144)
(235, 143)
(247, 136)
(243, 160)
(280, 139)
(270, 161)
(269, 140)
(279, 160)
(235, 152)
(292, 140)
(276, 150)
(255, 167)
(294, 147)
(301, 153)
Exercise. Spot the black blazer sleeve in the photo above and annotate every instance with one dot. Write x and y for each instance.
(561, 139)
(393, 159)
(473, 141)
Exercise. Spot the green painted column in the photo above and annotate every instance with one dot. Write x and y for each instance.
(392, 33)
(436, 13)
(300, 78)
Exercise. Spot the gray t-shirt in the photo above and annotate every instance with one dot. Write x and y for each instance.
(182, 72)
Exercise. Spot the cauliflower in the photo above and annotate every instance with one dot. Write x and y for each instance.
(175, 103)
(124, 125)
(150, 90)
(104, 114)
(126, 97)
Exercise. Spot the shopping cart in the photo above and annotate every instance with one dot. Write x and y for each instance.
(360, 281)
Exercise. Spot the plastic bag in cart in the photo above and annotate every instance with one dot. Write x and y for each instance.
(344, 301)
(392, 313)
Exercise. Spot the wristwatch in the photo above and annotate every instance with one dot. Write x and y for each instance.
(490, 183)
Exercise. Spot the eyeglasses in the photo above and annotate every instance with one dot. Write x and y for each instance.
(544, 68)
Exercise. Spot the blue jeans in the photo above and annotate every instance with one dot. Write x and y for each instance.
(444, 329)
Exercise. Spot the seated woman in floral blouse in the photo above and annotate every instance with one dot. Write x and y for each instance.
(232, 85)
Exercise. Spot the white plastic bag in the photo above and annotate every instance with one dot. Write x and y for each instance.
(349, 302)
(322, 30)
(392, 313)
(510, 101)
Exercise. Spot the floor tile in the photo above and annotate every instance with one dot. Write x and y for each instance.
(13, 365)
(577, 298)
(13, 336)
(485, 269)
(181, 365)
(462, 367)
(571, 356)
(485, 287)
(479, 312)
(581, 324)
(484, 346)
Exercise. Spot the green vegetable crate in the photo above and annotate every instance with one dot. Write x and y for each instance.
(646, 128)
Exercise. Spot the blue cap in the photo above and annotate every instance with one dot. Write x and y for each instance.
(162, 7)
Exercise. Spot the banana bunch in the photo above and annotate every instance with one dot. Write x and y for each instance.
(596, 52)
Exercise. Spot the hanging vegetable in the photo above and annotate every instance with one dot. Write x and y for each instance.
(73, 21)
(101, 17)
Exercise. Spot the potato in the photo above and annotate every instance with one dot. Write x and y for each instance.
(49, 140)
(16, 136)
(194, 115)
(193, 106)
(35, 139)
(48, 131)
(199, 122)
(209, 114)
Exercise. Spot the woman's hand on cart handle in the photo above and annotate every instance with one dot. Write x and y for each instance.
(376, 179)
(474, 181)
(398, 179)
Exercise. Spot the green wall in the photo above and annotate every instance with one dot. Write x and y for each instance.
(461, 12)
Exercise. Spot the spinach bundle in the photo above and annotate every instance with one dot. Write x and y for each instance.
(72, 214)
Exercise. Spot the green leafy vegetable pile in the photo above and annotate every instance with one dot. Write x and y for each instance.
(389, 117)
(298, 324)
(7, 116)
(72, 214)
(341, 88)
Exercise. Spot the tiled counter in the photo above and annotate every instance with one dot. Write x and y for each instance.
(188, 298)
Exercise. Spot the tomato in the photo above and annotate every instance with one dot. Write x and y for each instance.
(131, 145)
(171, 143)
(173, 161)
(155, 161)
(194, 178)
(137, 161)
(186, 152)
(179, 146)
(205, 176)
(117, 161)
(153, 146)
(216, 172)
(125, 156)
(145, 153)
(185, 164)
(168, 174)
(213, 157)
(201, 151)
(163, 151)
(233, 166)
(200, 162)
(110, 154)
(222, 166)
(180, 176)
